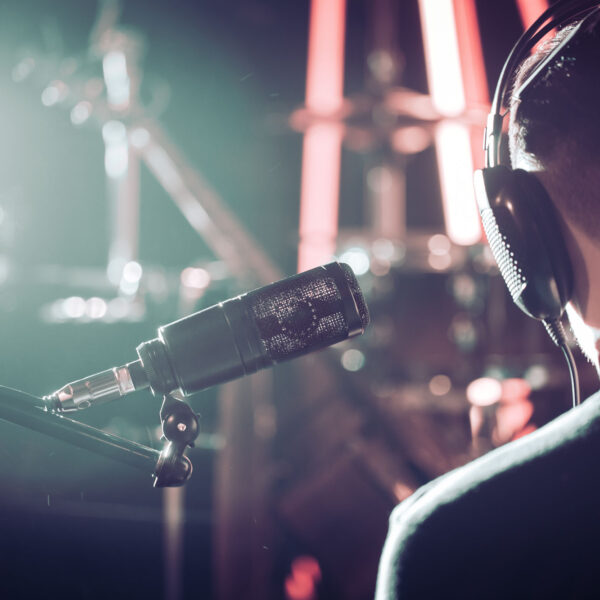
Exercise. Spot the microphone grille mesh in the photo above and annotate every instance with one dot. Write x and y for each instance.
(304, 312)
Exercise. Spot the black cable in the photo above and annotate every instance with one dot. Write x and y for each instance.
(557, 333)
(573, 373)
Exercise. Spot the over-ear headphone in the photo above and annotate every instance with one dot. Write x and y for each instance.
(518, 216)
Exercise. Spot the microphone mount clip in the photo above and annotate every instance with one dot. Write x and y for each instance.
(180, 429)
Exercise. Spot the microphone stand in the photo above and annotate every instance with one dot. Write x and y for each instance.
(169, 467)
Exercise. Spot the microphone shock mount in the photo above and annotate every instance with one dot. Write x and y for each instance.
(180, 429)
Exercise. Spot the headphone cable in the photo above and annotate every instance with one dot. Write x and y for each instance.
(556, 332)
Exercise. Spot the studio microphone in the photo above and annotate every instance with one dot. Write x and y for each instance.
(239, 336)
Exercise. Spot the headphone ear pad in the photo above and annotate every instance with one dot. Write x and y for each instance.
(523, 231)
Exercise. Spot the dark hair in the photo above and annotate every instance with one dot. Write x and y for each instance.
(555, 121)
(562, 106)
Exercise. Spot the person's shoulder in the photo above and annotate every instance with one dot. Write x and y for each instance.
(486, 506)
(579, 426)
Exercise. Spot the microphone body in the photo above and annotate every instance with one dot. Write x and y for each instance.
(242, 335)
(212, 346)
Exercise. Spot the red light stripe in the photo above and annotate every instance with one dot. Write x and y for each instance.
(530, 10)
(321, 152)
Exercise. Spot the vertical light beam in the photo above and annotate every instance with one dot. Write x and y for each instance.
(441, 55)
(321, 152)
(453, 148)
(530, 10)
(471, 54)
(473, 71)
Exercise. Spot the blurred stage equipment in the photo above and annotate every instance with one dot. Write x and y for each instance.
(391, 121)
(132, 135)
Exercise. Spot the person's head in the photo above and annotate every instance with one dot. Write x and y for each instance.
(554, 131)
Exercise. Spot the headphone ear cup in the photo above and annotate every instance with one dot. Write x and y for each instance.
(524, 234)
